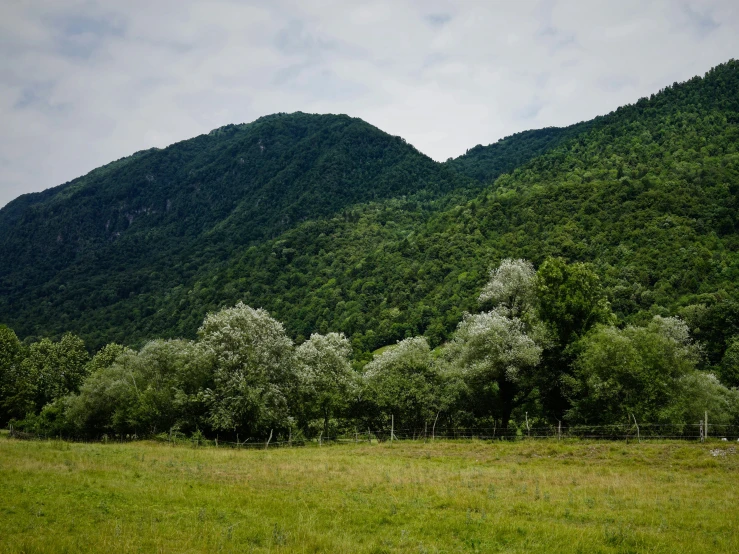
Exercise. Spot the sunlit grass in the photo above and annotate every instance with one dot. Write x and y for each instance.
(534, 496)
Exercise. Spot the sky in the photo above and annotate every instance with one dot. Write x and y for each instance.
(83, 83)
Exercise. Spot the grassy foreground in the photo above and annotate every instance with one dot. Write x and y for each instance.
(407, 497)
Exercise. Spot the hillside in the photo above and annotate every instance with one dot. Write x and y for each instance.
(144, 224)
(648, 194)
(485, 163)
(333, 225)
(92, 254)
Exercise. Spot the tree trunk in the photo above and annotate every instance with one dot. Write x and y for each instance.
(507, 393)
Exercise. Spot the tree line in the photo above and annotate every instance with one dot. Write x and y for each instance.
(543, 344)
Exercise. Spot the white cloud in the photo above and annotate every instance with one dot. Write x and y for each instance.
(83, 83)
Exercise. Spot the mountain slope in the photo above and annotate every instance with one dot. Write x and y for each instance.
(149, 223)
(248, 181)
(647, 193)
(486, 163)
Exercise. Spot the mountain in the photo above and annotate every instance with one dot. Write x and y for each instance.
(485, 163)
(146, 224)
(333, 225)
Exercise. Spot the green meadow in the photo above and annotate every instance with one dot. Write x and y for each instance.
(527, 496)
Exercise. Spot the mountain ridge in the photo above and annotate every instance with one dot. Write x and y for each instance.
(623, 191)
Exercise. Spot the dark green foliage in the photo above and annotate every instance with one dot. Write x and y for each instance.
(76, 256)
(486, 163)
(40, 374)
(394, 245)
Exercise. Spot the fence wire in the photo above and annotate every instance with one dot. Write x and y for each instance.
(644, 431)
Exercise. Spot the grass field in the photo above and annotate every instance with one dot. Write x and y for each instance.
(407, 497)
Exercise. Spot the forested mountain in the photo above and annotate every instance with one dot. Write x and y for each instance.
(318, 274)
(485, 163)
(86, 254)
(331, 224)
(146, 223)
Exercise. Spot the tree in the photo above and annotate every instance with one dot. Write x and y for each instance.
(404, 382)
(11, 354)
(326, 376)
(701, 391)
(512, 286)
(49, 370)
(637, 370)
(138, 392)
(570, 301)
(253, 376)
(492, 348)
(104, 358)
(729, 368)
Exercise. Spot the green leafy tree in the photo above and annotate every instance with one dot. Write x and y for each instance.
(138, 392)
(50, 370)
(729, 368)
(636, 370)
(700, 392)
(13, 403)
(327, 379)
(403, 381)
(570, 301)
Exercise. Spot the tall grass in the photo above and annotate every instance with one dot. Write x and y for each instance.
(409, 497)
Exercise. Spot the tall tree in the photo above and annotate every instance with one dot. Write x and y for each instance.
(326, 376)
(404, 382)
(12, 401)
(637, 370)
(570, 300)
(253, 376)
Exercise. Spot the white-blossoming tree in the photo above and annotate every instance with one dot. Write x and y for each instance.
(254, 378)
(501, 347)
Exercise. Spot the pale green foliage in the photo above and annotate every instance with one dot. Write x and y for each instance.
(637, 370)
(326, 377)
(494, 345)
(511, 286)
(701, 392)
(140, 392)
(500, 348)
(253, 377)
(404, 381)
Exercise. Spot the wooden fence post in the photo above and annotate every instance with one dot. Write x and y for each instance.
(392, 427)
(705, 425)
(638, 436)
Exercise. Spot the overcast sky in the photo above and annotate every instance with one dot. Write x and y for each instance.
(83, 83)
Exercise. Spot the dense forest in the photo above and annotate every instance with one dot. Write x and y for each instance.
(584, 273)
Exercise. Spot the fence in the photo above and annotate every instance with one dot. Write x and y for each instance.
(644, 431)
